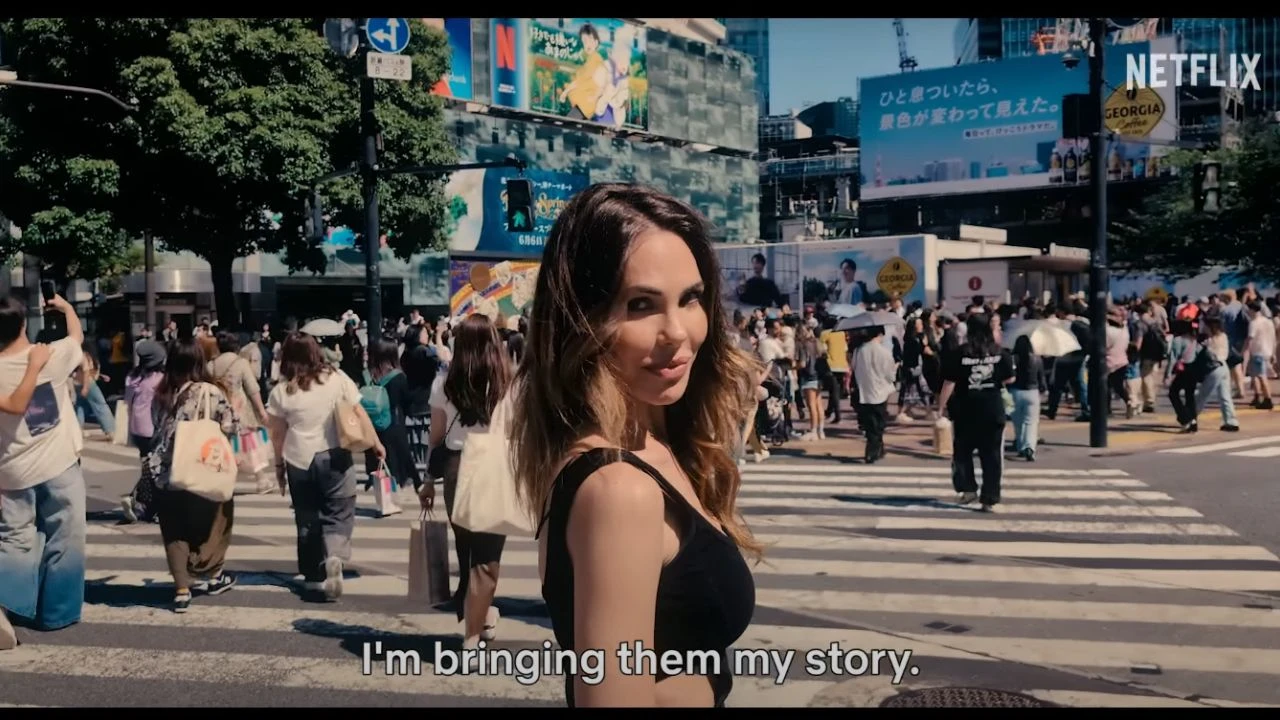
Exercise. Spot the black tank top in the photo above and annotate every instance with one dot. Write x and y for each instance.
(706, 594)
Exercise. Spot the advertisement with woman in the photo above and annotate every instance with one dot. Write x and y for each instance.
(864, 272)
(587, 69)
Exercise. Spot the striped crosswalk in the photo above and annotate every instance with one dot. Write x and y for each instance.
(1084, 574)
(1262, 447)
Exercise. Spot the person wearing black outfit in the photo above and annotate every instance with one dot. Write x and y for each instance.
(1068, 370)
(384, 369)
(972, 377)
(758, 290)
(1028, 381)
(352, 353)
(420, 364)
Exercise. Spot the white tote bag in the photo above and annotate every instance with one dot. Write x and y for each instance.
(121, 434)
(485, 499)
(204, 462)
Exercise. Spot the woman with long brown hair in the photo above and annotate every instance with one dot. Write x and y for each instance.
(629, 402)
(463, 402)
(196, 530)
(318, 472)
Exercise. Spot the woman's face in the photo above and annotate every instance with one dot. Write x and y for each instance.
(660, 318)
(424, 336)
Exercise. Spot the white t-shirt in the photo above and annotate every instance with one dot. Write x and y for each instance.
(1262, 337)
(34, 447)
(310, 416)
(456, 435)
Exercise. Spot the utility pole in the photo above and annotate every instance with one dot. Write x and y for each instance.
(369, 189)
(1099, 281)
(149, 252)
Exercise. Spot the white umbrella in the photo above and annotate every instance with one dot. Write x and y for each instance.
(874, 318)
(1048, 338)
(844, 310)
(323, 327)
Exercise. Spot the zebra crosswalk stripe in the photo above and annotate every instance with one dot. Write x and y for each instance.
(1090, 571)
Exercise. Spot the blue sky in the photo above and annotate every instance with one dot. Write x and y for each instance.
(816, 59)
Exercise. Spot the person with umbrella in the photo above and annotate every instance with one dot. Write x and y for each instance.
(874, 373)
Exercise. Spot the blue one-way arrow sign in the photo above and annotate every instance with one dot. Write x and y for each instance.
(387, 35)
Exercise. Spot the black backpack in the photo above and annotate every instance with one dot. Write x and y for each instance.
(1154, 345)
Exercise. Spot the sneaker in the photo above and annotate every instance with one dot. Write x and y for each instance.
(988, 508)
(8, 636)
(220, 584)
(181, 602)
(127, 509)
(332, 578)
(966, 498)
(491, 618)
(1230, 428)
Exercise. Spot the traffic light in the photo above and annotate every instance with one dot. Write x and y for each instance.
(519, 205)
(1208, 187)
(313, 218)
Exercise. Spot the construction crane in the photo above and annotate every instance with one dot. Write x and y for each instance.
(905, 61)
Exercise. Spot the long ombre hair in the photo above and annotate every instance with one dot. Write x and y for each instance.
(479, 373)
(565, 387)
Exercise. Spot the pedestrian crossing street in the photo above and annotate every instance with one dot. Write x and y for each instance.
(1082, 573)
(1260, 447)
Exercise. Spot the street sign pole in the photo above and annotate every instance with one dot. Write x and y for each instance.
(369, 182)
(1099, 393)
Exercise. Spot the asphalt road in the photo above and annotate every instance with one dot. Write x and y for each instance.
(1094, 586)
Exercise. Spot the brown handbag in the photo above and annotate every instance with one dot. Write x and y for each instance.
(355, 431)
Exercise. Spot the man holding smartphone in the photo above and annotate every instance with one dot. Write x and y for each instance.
(41, 486)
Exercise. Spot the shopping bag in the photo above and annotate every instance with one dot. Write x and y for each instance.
(943, 437)
(253, 451)
(384, 491)
(204, 463)
(428, 560)
(121, 434)
(486, 499)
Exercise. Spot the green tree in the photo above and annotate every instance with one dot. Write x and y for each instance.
(414, 211)
(1168, 235)
(62, 156)
(235, 117)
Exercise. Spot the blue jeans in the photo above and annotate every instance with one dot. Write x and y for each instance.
(42, 538)
(1026, 419)
(1217, 385)
(96, 403)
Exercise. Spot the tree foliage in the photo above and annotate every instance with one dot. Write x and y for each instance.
(63, 156)
(413, 209)
(1169, 235)
(235, 117)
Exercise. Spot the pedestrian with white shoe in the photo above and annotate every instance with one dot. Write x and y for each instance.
(973, 374)
(311, 463)
(462, 402)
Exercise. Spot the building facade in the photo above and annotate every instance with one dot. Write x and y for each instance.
(978, 39)
(690, 129)
(750, 36)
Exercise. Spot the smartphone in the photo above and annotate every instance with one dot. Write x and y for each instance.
(47, 290)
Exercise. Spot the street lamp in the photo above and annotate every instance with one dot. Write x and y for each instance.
(10, 77)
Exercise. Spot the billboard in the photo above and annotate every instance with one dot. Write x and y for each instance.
(456, 83)
(998, 126)
(497, 289)
(870, 270)
(588, 69)
(478, 209)
(746, 283)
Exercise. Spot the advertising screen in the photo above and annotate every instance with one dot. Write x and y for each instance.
(478, 209)
(496, 289)
(456, 83)
(998, 126)
(860, 272)
(588, 69)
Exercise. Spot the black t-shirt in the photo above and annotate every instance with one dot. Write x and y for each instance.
(978, 379)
